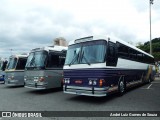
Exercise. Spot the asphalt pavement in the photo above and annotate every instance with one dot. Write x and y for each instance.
(141, 98)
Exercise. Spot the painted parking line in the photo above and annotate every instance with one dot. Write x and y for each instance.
(149, 86)
(154, 82)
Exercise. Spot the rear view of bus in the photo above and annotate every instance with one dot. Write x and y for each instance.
(15, 70)
(99, 65)
(44, 67)
(3, 64)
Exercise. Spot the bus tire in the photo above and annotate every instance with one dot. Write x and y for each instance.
(121, 87)
(152, 78)
(61, 87)
(149, 79)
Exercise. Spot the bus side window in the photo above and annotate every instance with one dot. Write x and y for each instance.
(61, 60)
(21, 63)
(122, 50)
(55, 61)
(111, 54)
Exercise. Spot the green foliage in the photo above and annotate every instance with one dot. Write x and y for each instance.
(155, 48)
(155, 40)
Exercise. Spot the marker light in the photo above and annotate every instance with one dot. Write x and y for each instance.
(100, 82)
(41, 79)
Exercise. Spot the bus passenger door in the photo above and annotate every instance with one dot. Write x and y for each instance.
(111, 54)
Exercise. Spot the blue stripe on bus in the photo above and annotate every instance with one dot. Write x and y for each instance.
(111, 76)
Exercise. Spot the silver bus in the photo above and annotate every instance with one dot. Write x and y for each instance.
(3, 64)
(44, 67)
(15, 70)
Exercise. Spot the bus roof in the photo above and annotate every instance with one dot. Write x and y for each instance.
(48, 48)
(19, 56)
(107, 38)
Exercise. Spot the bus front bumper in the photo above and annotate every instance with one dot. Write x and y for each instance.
(87, 91)
(38, 86)
(12, 83)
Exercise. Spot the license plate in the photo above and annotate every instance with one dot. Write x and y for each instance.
(35, 80)
(78, 81)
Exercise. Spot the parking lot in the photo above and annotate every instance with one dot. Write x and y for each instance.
(142, 98)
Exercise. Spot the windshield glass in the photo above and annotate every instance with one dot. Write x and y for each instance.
(12, 63)
(86, 53)
(73, 54)
(1, 64)
(36, 59)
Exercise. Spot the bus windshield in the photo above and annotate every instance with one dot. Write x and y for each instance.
(1, 64)
(36, 60)
(86, 53)
(12, 63)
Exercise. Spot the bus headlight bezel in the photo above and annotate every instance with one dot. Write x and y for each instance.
(67, 80)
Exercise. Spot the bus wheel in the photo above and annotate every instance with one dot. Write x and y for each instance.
(61, 85)
(121, 87)
(149, 79)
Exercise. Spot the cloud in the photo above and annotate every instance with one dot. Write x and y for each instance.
(27, 24)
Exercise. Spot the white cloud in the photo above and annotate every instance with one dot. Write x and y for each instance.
(38, 22)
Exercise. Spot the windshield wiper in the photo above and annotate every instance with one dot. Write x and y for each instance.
(31, 63)
(74, 59)
(85, 58)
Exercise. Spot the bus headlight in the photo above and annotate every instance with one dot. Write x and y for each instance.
(25, 78)
(94, 82)
(12, 77)
(66, 80)
(90, 82)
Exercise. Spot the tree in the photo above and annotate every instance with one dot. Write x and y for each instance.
(155, 47)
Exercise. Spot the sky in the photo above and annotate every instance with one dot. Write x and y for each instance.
(28, 24)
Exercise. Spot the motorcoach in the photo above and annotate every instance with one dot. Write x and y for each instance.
(3, 64)
(15, 70)
(99, 65)
(44, 67)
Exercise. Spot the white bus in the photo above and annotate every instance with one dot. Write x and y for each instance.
(44, 67)
(15, 70)
(99, 65)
